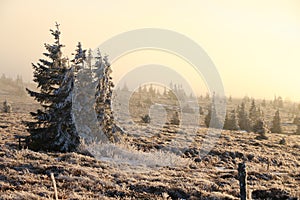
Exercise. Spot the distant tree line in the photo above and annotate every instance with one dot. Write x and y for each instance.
(242, 119)
(17, 84)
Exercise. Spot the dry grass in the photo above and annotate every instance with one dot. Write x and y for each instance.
(140, 169)
(25, 174)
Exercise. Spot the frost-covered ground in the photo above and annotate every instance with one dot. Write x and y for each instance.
(143, 166)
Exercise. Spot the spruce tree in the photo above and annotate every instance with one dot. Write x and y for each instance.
(207, 118)
(104, 87)
(231, 122)
(79, 57)
(226, 122)
(253, 112)
(84, 97)
(89, 59)
(53, 128)
(254, 115)
(243, 120)
(211, 119)
(276, 127)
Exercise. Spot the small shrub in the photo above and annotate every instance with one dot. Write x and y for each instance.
(282, 141)
(175, 119)
(261, 128)
(146, 119)
(7, 107)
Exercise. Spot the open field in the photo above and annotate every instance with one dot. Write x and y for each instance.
(273, 169)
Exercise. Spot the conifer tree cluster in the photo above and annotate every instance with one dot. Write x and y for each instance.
(64, 92)
(241, 119)
(278, 102)
(248, 120)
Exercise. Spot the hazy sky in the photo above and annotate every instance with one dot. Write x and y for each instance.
(254, 44)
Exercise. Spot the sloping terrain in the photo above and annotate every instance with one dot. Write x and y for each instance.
(273, 169)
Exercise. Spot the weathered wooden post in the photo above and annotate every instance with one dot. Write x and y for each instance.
(242, 176)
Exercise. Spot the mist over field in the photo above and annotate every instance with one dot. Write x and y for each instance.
(158, 100)
(253, 44)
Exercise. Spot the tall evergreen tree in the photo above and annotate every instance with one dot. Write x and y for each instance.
(211, 119)
(253, 111)
(226, 122)
(243, 120)
(254, 115)
(104, 97)
(276, 127)
(231, 122)
(84, 97)
(79, 57)
(53, 128)
(89, 58)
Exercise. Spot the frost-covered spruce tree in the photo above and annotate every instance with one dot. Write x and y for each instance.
(231, 122)
(243, 119)
(211, 119)
(226, 122)
(254, 114)
(84, 97)
(53, 128)
(104, 90)
(276, 127)
(79, 57)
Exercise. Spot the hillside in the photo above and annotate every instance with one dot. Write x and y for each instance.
(273, 169)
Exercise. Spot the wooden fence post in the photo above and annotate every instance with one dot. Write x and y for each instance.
(242, 176)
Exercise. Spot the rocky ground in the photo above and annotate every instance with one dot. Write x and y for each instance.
(273, 168)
